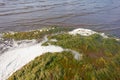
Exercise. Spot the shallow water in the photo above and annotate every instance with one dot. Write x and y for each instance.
(99, 15)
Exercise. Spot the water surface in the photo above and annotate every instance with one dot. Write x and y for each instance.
(100, 15)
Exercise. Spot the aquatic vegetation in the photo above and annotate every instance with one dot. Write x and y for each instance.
(94, 44)
(35, 34)
(100, 61)
(49, 67)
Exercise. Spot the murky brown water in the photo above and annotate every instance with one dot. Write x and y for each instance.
(100, 15)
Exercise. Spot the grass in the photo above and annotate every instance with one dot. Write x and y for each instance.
(54, 66)
(94, 45)
(100, 61)
(63, 66)
(35, 34)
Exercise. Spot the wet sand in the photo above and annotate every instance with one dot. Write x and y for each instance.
(99, 15)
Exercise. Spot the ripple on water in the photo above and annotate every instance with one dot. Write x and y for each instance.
(13, 13)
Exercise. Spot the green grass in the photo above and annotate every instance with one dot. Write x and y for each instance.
(94, 45)
(55, 66)
(63, 66)
(100, 61)
(35, 34)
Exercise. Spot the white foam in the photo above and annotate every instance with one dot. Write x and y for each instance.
(53, 40)
(83, 32)
(76, 54)
(13, 60)
(86, 32)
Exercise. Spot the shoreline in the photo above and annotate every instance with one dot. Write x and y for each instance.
(111, 32)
